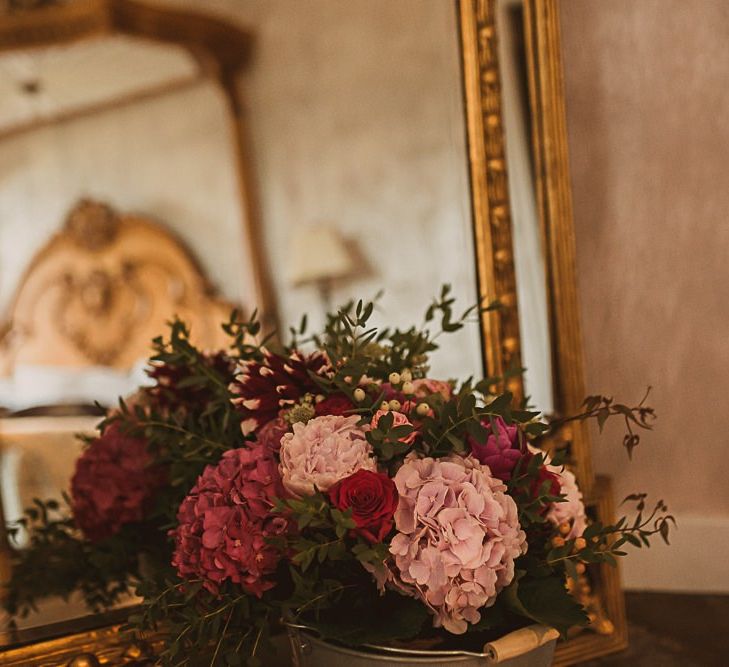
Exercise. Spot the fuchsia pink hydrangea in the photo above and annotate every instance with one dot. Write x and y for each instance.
(458, 536)
(226, 520)
(501, 451)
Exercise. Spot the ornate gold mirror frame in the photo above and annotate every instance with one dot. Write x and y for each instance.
(601, 591)
(222, 49)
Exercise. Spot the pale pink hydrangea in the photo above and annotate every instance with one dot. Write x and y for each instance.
(458, 536)
(321, 452)
(572, 509)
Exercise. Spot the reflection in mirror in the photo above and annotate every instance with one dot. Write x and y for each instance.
(528, 236)
(357, 153)
(84, 286)
(356, 115)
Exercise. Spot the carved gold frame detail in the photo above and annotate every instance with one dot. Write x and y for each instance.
(601, 591)
(222, 50)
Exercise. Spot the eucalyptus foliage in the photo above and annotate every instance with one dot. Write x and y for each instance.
(323, 584)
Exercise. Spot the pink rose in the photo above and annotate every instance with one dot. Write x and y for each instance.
(398, 419)
(427, 387)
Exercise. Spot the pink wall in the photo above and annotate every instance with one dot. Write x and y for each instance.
(647, 86)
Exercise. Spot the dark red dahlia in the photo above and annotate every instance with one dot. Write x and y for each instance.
(113, 484)
(171, 392)
(262, 389)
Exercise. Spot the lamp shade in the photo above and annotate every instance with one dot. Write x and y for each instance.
(318, 253)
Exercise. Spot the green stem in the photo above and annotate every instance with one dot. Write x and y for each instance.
(220, 641)
(179, 429)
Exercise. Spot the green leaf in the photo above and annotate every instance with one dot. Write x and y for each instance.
(546, 601)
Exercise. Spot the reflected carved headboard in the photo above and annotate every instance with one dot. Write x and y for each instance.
(101, 289)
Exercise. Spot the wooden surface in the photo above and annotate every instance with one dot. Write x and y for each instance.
(673, 630)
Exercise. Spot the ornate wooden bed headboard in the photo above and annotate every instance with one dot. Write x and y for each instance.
(101, 289)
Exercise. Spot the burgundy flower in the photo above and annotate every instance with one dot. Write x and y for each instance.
(372, 497)
(270, 434)
(543, 475)
(501, 450)
(171, 390)
(336, 404)
(262, 389)
(225, 523)
(113, 484)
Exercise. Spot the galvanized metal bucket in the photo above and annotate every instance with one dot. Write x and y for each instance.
(532, 646)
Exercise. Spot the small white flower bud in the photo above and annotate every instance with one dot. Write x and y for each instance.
(394, 378)
(359, 395)
(406, 375)
(319, 398)
(395, 405)
(348, 379)
(385, 407)
(408, 388)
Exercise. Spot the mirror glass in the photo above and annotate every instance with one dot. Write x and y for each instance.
(356, 114)
(357, 165)
(136, 125)
(528, 236)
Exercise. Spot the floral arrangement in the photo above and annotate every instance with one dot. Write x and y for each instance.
(329, 482)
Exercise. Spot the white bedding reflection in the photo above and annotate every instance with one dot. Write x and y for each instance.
(32, 385)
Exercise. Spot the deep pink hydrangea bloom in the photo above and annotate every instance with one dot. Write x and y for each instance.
(225, 520)
(113, 483)
(270, 434)
(458, 536)
(501, 450)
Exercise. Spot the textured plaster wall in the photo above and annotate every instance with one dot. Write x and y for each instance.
(647, 106)
(355, 118)
(355, 115)
(169, 157)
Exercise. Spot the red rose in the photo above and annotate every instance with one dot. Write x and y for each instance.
(543, 475)
(336, 404)
(372, 497)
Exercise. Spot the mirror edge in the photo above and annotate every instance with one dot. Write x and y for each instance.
(495, 265)
(489, 190)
